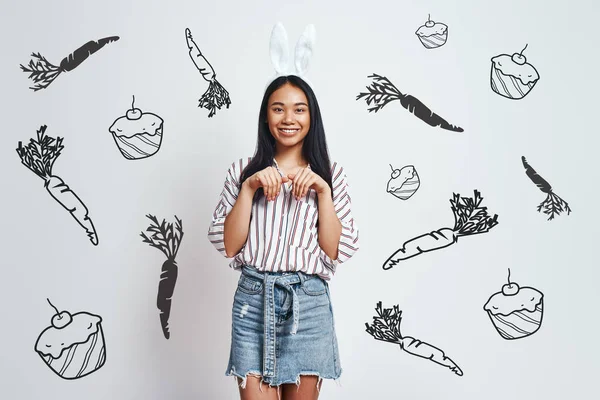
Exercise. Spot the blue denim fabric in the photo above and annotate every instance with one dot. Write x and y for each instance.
(282, 327)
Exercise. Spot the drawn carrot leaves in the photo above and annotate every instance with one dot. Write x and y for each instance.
(163, 237)
(39, 155)
(469, 216)
(379, 93)
(386, 325)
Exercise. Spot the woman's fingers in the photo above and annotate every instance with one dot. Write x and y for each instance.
(306, 184)
(263, 181)
(298, 183)
(266, 185)
(301, 183)
(278, 183)
(270, 189)
(295, 183)
(275, 183)
(271, 181)
(310, 181)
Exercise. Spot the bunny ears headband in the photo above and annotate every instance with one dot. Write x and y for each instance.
(281, 56)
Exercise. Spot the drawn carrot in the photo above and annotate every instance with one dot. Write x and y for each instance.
(469, 219)
(166, 240)
(383, 93)
(215, 96)
(553, 204)
(43, 73)
(39, 156)
(386, 327)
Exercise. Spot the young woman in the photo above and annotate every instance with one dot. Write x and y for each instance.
(285, 218)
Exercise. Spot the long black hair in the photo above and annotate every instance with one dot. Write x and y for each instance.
(314, 147)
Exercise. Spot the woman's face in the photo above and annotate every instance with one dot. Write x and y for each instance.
(288, 115)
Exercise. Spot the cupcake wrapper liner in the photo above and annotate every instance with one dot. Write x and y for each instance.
(433, 41)
(518, 324)
(406, 190)
(509, 86)
(139, 146)
(80, 359)
(403, 194)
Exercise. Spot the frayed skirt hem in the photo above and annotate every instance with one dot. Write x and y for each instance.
(233, 373)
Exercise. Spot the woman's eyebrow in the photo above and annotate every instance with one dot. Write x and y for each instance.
(296, 104)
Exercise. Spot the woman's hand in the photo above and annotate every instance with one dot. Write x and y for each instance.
(307, 179)
(269, 179)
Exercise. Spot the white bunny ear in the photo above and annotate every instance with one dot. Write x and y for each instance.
(304, 49)
(279, 49)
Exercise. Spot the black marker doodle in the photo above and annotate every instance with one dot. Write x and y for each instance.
(433, 34)
(74, 345)
(516, 312)
(166, 240)
(512, 76)
(386, 327)
(43, 72)
(39, 156)
(404, 182)
(469, 219)
(383, 93)
(552, 204)
(215, 96)
(137, 134)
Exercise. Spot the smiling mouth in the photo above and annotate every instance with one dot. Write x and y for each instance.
(288, 131)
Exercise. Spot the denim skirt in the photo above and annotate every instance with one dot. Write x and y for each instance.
(282, 327)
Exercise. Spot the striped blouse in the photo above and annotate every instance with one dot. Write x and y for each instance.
(283, 233)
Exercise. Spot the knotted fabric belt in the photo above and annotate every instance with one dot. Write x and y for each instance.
(270, 280)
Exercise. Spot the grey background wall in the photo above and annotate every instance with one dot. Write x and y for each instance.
(47, 255)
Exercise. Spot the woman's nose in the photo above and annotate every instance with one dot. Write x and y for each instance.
(289, 116)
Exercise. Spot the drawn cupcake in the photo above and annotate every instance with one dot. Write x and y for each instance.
(73, 346)
(403, 182)
(137, 134)
(432, 34)
(512, 76)
(515, 312)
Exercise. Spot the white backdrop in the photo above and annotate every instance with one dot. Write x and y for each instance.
(47, 255)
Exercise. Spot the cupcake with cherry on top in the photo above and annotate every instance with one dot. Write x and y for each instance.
(432, 34)
(403, 182)
(512, 76)
(137, 134)
(73, 346)
(516, 312)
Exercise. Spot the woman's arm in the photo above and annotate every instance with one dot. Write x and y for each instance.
(237, 222)
(338, 232)
(330, 227)
(232, 198)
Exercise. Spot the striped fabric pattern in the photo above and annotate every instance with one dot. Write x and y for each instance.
(283, 234)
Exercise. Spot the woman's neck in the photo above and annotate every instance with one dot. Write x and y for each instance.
(290, 158)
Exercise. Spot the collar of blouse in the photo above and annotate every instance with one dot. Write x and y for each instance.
(277, 166)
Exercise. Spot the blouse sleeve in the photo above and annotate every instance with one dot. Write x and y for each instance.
(342, 203)
(228, 197)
